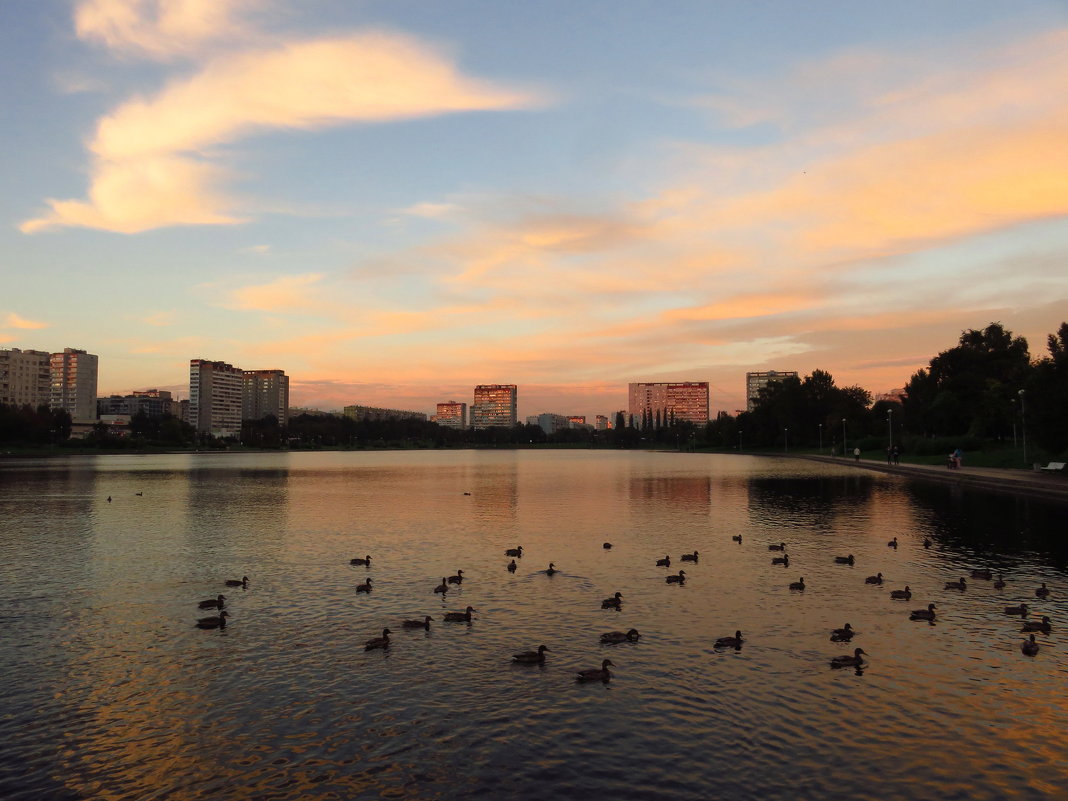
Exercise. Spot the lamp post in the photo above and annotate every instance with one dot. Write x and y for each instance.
(1012, 402)
(786, 435)
(843, 437)
(821, 439)
(890, 426)
(739, 440)
(1023, 422)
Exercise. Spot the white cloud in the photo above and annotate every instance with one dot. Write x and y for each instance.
(14, 320)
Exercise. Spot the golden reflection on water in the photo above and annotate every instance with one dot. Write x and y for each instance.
(285, 703)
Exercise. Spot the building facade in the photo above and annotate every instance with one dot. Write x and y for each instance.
(356, 412)
(451, 414)
(150, 402)
(25, 377)
(265, 392)
(675, 401)
(73, 384)
(754, 382)
(548, 422)
(602, 423)
(216, 391)
(494, 405)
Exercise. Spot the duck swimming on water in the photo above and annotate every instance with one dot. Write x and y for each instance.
(611, 637)
(443, 587)
(365, 587)
(531, 657)
(780, 547)
(957, 585)
(615, 602)
(730, 642)
(1029, 647)
(365, 561)
(849, 661)
(1017, 610)
(458, 578)
(1045, 626)
(923, 614)
(689, 557)
(550, 570)
(460, 617)
(844, 560)
(1000, 583)
(213, 603)
(679, 579)
(604, 674)
(665, 562)
(892, 543)
(876, 579)
(798, 585)
(901, 595)
(417, 624)
(516, 551)
(844, 634)
(243, 583)
(1043, 591)
(378, 642)
(781, 560)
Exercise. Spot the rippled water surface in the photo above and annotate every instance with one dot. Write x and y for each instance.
(110, 692)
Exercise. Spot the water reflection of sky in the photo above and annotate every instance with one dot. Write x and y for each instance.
(112, 692)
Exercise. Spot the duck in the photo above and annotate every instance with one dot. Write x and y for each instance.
(730, 642)
(902, 595)
(1000, 583)
(892, 543)
(365, 587)
(1043, 591)
(109, 499)
(844, 560)
(689, 557)
(844, 634)
(443, 587)
(798, 585)
(460, 617)
(737, 538)
(926, 542)
(531, 657)
(986, 575)
(607, 546)
(1029, 646)
(957, 585)
(849, 661)
(780, 547)
(1017, 610)
(604, 674)
(923, 614)
(235, 583)
(679, 579)
(213, 603)
(512, 566)
(458, 578)
(550, 570)
(516, 551)
(378, 642)
(876, 579)
(630, 635)
(781, 560)
(665, 562)
(365, 561)
(615, 602)
(218, 622)
(1045, 626)
(139, 494)
(417, 624)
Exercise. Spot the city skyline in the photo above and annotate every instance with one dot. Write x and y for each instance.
(569, 199)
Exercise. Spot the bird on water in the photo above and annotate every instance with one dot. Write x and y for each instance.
(604, 674)
(611, 637)
(855, 660)
(531, 657)
(213, 603)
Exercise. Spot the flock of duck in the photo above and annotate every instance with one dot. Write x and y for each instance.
(1029, 647)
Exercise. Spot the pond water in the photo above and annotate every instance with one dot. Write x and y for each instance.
(109, 691)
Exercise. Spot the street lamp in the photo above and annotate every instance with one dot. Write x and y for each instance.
(739, 440)
(890, 426)
(843, 437)
(786, 434)
(1012, 401)
(1023, 422)
(821, 438)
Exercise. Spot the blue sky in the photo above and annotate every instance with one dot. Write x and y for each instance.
(394, 201)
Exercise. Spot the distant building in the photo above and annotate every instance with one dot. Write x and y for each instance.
(25, 377)
(754, 382)
(451, 414)
(150, 402)
(357, 412)
(678, 401)
(494, 405)
(548, 422)
(215, 397)
(577, 419)
(265, 392)
(74, 374)
(893, 396)
(602, 423)
(295, 411)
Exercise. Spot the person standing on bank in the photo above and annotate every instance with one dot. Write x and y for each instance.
(856, 454)
(897, 455)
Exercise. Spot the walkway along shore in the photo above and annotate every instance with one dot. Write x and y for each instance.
(1027, 483)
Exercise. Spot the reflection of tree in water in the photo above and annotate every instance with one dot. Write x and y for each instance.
(973, 521)
(692, 492)
(814, 502)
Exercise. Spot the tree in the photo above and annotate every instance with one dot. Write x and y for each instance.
(1047, 395)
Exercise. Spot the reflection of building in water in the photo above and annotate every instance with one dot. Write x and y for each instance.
(694, 493)
(496, 490)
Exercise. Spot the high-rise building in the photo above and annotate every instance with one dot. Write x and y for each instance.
(74, 384)
(215, 397)
(754, 382)
(451, 414)
(577, 420)
(25, 377)
(675, 401)
(266, 392)
(602, 423)
(494, 405)
(550, 423)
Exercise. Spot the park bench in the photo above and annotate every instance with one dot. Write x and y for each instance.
(1054, 467)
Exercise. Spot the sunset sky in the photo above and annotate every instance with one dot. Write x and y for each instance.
(396, 200)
